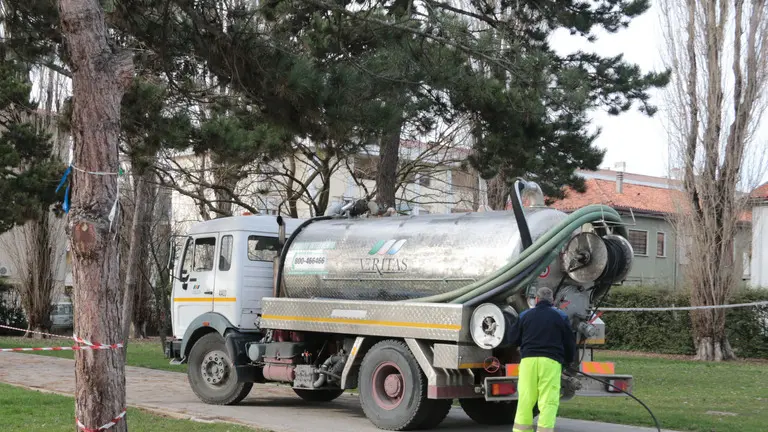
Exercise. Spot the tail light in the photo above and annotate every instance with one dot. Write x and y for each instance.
(618, 384)
(503, 389)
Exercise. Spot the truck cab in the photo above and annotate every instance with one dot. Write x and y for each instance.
(225, 267)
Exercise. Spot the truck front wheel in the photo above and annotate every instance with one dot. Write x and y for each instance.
(393, 389)
(212, 374)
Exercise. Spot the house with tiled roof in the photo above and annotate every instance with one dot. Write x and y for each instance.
(647, 205)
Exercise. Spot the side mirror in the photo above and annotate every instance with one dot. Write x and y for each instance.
(280, 233)
(171, 253)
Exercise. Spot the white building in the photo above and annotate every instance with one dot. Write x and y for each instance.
(759, 269)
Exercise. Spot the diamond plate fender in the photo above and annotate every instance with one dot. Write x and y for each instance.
(352, 365)
(442, 383)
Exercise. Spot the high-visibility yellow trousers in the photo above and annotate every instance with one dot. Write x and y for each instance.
(539, 382)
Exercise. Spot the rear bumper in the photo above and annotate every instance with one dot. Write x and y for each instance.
(505, 388)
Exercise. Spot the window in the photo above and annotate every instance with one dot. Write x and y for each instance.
(225, 255)
(639, 241)
(661, 245)
(204, 249)
(424, 180)
(189, 254)
(262, 248)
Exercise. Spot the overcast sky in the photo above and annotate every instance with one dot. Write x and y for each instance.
(634, 138)
(631, 137)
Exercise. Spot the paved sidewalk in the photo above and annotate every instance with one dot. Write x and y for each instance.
(268, 406)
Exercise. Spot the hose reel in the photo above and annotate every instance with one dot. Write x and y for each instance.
(489, 324)
(590, 258)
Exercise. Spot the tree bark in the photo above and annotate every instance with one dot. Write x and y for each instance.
(100, 77)
(386, 174)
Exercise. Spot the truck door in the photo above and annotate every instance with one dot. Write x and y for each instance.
(228, 277)
(193, 293)
(258, 275)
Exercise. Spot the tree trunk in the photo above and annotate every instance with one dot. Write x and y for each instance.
(160, 241)
(137, 239)
(710, 338)
(497, 191)
(293, 195)
(386, 174)
(100, 77)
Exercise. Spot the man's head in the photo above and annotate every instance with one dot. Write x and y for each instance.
(545, 294)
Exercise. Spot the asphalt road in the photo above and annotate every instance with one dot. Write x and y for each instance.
(270, 407)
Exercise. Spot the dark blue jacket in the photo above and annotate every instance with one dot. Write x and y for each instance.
(544, 331)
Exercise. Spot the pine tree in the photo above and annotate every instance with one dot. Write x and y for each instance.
(29, 170)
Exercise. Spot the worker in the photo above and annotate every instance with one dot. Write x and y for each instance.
(547, 344)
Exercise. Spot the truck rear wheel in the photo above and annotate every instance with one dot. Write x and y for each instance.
(393, 389)
(325, 395)
(212, 375)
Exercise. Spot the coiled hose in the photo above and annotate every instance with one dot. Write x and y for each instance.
(531, 261)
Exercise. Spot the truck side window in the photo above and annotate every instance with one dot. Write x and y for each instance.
(225, 255)
(262, 248)
(189, 254)
(204, 250)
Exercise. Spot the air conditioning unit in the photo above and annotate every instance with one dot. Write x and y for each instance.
(5, 271)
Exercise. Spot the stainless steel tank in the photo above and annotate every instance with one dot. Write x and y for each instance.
(397, 258)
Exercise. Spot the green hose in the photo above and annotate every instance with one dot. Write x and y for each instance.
(549, 243)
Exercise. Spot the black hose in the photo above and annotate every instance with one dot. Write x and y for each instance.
(616, 262)
(506, 285)
(287, 245)
(522, 224)
(655, 420)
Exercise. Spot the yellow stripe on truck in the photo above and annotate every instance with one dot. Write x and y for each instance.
(205, 299)
(362, 322)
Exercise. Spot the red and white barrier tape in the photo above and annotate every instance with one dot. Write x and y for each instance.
(111, 423)
(33, 331)
(66, 348)
(88, 344)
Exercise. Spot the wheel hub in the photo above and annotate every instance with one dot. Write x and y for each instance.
(393, 385)
(388, 385)
(215, 368)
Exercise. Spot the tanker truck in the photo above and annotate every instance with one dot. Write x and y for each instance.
(409, 310)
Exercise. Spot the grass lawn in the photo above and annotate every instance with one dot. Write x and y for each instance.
(147, 354)
(20, 410)
(684, 395)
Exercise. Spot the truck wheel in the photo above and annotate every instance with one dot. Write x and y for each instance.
(325, 395)
(437, 411)
(490, 413)
(393, 389)
(212, 375)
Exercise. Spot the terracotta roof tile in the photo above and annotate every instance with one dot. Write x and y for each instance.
(637, 198)
(760, 192)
